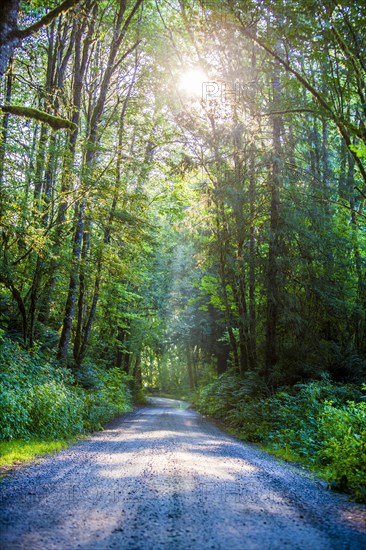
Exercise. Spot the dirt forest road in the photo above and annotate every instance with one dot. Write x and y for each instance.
(163, 477)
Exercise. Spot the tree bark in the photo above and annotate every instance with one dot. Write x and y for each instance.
(11, 36)
(272, 274)
(4, 132)
(189, 368)
(360, 316)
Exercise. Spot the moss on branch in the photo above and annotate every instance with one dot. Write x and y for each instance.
(56, 123)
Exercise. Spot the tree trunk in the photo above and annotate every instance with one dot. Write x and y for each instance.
(252, 266)
(81, 56)
(272, 274)
(137, 372)
(189, 367)
(4, 132)
(91, 151)
(122, 355)
(11, 36)
(82, 290)
(252, 213)
(360, 316)
(240, 295)
(91, 316)
(228, 314)
(9, 10)
(73, 283)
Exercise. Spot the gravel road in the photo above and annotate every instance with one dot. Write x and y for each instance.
(164, 477)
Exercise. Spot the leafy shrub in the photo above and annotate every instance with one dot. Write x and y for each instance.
(41, 400)
(110, 397)
(343, 432)
(252, 417)
(14, 416)
(55, 409)
(322, 424)
(226, 392)
(218, 397)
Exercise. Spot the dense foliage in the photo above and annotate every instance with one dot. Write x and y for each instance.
(323, 425)
(42, 400)
(213, 217)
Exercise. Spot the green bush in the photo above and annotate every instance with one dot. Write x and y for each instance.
(343, 434)
(218, 397)
(14, 417)
(110, 397)
(322, 424)
(227, 392)
(38, 399)
(55, 409)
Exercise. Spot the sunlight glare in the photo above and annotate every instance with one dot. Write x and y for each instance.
(191, 82)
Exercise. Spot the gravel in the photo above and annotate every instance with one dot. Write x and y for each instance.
(163, 477)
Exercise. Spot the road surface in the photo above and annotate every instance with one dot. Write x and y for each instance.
(163, 477)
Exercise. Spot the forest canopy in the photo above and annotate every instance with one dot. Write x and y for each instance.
(183, 188)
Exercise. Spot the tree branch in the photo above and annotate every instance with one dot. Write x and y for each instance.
(56, 123)
(45, 20)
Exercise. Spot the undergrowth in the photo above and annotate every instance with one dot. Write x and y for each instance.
(321, 424)
(42, 400)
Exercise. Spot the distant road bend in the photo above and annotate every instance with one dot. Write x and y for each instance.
(163, 477)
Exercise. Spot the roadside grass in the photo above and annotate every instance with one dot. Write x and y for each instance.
(285, 453)
(16, 451)
(288, 455)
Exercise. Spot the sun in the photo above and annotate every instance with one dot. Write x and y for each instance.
(191, 82)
